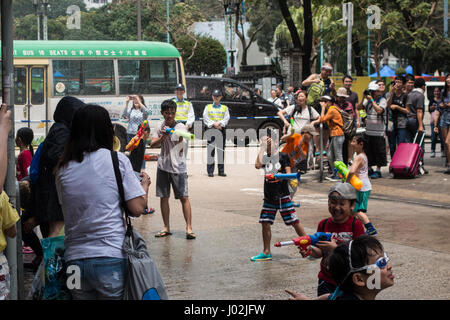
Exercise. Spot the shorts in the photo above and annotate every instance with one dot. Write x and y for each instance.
(178, 181)
(444, 122)
(4, 277)
(362, 199)
(286, 208)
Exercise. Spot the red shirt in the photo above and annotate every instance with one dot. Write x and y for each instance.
(349, 230)
(22, 164)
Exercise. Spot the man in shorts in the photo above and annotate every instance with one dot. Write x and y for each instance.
(172, 168)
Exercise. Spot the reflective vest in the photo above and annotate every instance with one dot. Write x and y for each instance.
(216, 114)
(182, 110)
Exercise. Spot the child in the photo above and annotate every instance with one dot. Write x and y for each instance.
(172, 168)
(8, 219)
(24, 138)
(29, 237)
(276, 195)
(351, 265)
(360, 168)
(344, 227)
(137, 155)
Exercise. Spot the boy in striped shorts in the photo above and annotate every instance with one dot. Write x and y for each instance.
(276, 194)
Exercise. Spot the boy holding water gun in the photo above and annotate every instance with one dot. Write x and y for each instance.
(276, 194)
(341, 225)
(360, 168)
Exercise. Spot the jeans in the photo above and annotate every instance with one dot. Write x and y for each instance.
(392, 139)
(101, 278)
(402, 135)
(335, 150)
(434, 139)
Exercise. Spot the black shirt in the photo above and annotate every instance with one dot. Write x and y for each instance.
(273, 191)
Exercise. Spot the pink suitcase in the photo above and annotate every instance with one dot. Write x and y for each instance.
(406, 160)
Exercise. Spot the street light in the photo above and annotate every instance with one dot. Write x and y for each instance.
(231, 7)
(44, 26)
(38, 15)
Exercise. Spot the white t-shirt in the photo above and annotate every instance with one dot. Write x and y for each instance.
(301, 118)
(172, 158)
(87, 191)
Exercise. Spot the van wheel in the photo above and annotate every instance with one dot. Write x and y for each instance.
(270, 126)
(121, 133)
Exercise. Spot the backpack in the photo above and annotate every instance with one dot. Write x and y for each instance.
(34, 166)
(315, 91)
(348, 122)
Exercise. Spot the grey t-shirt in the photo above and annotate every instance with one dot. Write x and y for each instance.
(172, 158)
(375, 123)
(416, 101)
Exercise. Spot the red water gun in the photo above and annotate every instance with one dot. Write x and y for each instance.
(134, 142)
(305, 241)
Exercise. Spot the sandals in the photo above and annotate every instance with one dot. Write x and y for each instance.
(163, 233)
(190, 235)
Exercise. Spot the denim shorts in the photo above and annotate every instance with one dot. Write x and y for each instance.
(101, 278)
(444, 122)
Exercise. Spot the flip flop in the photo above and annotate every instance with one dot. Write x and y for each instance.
(190, 235)
(163, 233)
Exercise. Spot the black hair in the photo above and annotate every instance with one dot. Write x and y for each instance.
(362, 137)
(401, 78)
(91, 130)
(142, 99)
(168, 104)
(25, 195)
(339, 263)
(26, 135)
(446, 87)
(347, 76)
(409, 77)
(419, 83)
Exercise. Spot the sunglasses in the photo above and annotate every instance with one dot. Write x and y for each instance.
(381, 262)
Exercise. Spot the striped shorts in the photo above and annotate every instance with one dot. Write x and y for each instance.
(286, 208)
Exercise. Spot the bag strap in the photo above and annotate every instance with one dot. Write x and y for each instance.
(123, 204)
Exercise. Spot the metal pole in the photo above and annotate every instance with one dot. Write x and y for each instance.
(139, 32)
(45, 27)
(349, 36)
(8, 99)
(321, 46)
(445, 19)
(39, 26)
(321, 152)
(168, 19)
(368, 52)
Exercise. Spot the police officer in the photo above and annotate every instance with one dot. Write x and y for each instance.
(215, 118)
(185, 112)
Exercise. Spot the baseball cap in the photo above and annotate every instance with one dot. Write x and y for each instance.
(373, 86)
(326, 98)
(217, 92)
(342, 92)
(345, 190)
(310, 129)
(180, 86)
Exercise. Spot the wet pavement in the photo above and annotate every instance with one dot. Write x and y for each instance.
(411, 216)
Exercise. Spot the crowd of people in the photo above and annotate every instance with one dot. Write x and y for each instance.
(70, 182)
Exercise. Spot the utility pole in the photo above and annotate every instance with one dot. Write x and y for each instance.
(168, 19)
(446, 19)
(347, 18)
(14, 246)
(139, 31)
(45, 24)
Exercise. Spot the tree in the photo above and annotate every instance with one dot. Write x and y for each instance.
(306, 47)
(209, 56)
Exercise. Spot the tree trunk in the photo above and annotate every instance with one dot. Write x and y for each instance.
(296, 41)
(308, 39)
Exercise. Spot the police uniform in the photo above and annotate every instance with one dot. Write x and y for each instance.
(211, 114)
(185, 112)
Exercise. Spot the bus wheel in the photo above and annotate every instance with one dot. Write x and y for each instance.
(121, 134)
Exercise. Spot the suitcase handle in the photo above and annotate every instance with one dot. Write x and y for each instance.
(421, 140)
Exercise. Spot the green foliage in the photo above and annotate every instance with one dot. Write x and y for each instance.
(400, 71)
(209, 55)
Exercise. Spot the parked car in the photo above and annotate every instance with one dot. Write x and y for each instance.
(247, 109)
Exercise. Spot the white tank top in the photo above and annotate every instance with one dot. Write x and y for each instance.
(363, 175)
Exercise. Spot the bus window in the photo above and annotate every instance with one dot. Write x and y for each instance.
(37, 86)
(147, 76)
(20, 85)
(83, 77)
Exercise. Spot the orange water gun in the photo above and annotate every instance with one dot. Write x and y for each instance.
(134, 142)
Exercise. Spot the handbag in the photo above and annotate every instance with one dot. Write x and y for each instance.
(143, 281)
